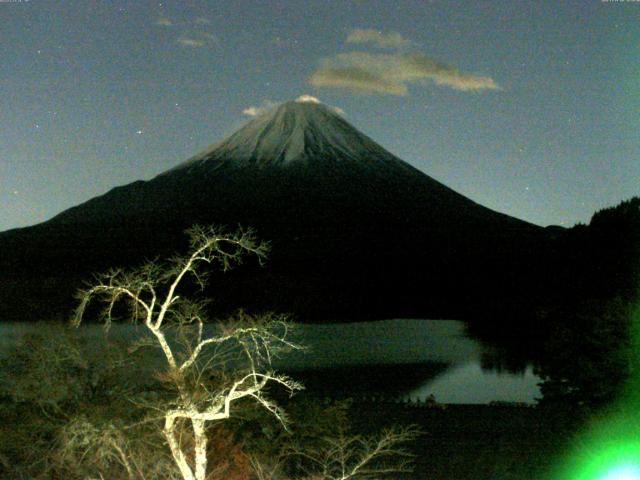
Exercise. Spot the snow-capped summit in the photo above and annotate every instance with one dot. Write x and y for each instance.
(296, 131)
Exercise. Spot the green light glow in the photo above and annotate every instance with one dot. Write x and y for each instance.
(615, 462)
(625, 472)
(609, 447)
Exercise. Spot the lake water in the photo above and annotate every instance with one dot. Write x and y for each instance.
(402, 359)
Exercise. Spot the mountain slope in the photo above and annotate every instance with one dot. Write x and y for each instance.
(296, 149)
(354, 229)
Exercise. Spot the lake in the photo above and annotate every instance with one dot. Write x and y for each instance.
(402, 359)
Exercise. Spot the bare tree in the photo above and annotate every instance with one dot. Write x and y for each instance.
(329, 450)
(350, 457)
(238, 354)
(341, 456)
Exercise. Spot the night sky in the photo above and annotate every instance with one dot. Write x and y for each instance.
(529, 108)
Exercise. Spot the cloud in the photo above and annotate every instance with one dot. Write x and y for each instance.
(254, 111)
(194, 37)
(164, 22)
(191, 42)
(308, 99)
(356, 79)
(392, 73)
(197, 39)
(376, 37)
(208, 36)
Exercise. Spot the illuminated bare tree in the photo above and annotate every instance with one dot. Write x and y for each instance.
(238, 354)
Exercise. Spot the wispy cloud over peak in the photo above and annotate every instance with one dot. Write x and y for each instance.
(377, 37)
(254, 111)
(392, 73)
(266, 105)
(308, 99)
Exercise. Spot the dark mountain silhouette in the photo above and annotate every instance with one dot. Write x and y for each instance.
(355, 231)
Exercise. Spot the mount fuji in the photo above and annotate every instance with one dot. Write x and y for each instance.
(355, 231)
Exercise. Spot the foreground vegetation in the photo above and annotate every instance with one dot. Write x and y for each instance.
(184, 401)
(206, 405)
(71, 432)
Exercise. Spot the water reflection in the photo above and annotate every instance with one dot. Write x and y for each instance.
(400, 359)
(388, 342)
(470, 383)
(408, 359)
